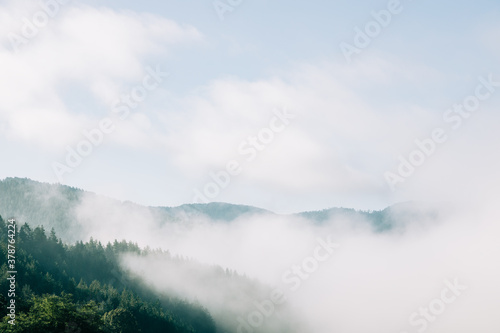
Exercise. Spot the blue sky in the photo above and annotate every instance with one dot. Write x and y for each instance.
(227, 79)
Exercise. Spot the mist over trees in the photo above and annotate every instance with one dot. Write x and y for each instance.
(81, 288)
(71, 282)
(57, 206)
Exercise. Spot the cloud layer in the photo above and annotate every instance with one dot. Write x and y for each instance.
(372, 280)
(68, 72)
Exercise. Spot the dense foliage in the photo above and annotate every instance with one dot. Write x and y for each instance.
(81, 288)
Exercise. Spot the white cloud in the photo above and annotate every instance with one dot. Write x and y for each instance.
(380, 277)
(96, 51)
(337, 142)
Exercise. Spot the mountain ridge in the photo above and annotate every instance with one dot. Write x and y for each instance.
(186, 206)
(56, 205)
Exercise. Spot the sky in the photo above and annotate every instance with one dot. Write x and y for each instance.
(285, 105)
(288, 106)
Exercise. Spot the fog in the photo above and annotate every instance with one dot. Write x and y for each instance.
(359, 132)
(367, 281)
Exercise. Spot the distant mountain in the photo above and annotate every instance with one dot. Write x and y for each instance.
(397, 215)
(380, 219)
(217, 211)
(55, 206)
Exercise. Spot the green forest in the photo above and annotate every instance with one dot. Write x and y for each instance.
(80, 288)
(66, 285)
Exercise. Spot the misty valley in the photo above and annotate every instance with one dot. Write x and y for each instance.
(87, 263)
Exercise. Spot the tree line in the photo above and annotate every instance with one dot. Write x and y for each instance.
(81, 288)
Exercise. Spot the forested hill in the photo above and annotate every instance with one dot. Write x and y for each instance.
(55, 206)
(40, 203)
(81, 288)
